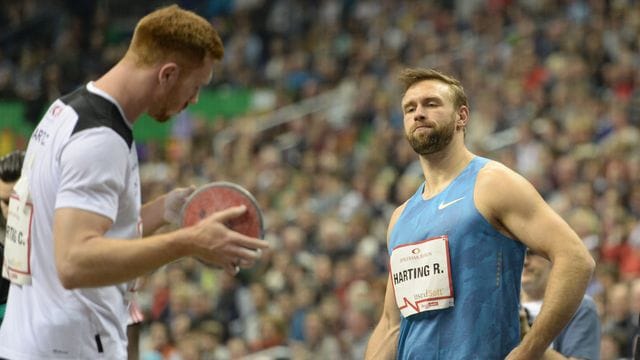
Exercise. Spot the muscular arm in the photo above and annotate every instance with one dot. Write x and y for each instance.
(520, 211)
(86, 258)
(383, 342)
(80, 244)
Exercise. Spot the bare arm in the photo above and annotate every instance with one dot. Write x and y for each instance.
(86, 258)
(383, 342)
(519, 210)
(152, 214)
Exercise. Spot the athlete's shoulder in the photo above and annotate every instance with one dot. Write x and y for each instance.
(398, 211)
(394, 217)
(495, 175)
(93, 111)
(500, 190)
(102, 138)
(493, 168)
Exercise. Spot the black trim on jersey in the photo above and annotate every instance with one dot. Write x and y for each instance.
(4, 283)
(99, 343)
(95, 111)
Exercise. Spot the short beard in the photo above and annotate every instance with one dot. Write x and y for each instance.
(160, 117)
(161, 114)
(437, 140)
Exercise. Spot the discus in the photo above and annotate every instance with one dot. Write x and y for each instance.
(218, 196)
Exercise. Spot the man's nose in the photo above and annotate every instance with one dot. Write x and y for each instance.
(420, 113)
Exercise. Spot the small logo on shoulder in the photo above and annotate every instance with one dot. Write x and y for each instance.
(446, 204)
(56, 110)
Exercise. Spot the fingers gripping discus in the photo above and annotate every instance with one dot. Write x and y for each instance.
(218, 196)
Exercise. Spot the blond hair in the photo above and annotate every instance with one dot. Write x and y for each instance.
(174, 34)
(409, 77)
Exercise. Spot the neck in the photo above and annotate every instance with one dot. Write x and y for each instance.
(130, 86)
(441, 168)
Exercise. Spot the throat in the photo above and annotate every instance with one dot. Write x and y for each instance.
(439, 178)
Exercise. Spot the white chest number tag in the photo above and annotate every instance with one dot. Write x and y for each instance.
(421, 276)
(17, 244)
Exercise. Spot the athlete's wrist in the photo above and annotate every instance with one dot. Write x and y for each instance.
(532, 345)
(173, 203)
(182, 242)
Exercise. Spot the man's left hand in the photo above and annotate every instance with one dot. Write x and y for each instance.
(173, 203)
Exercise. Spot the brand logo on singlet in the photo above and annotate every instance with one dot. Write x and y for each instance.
(446, 204)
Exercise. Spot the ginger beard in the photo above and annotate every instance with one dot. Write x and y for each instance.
(166, 105)
(434, 139)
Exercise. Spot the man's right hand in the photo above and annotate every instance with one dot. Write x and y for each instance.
(216, 244)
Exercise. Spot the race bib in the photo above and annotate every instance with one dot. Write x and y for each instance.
(17, 244)
(421, 276)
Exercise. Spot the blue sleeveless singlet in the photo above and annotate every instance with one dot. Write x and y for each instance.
(485, 270)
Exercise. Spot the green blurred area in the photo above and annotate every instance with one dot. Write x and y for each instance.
(212, 105)
(12, 118)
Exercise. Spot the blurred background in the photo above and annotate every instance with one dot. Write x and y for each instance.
(304, 112)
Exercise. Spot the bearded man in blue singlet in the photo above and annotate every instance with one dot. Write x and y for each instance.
(457, 245)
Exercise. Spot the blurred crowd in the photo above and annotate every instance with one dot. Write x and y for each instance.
(554, 90)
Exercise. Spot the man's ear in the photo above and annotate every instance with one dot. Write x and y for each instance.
(463, 117)
(168, 74)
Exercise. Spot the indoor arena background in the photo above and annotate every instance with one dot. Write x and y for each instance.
(304, 112)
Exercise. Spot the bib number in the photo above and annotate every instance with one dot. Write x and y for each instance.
(421, 276)
(16, 266)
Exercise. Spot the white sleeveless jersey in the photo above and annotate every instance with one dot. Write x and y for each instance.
(83, 157)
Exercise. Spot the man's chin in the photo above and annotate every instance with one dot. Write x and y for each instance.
(161, 118)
